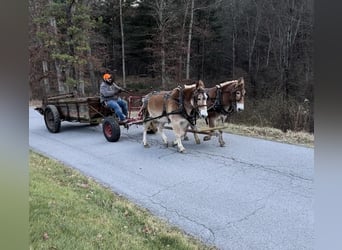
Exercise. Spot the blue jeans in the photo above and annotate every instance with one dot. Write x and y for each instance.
(120, 108)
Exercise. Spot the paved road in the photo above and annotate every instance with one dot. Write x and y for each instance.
(251, 194)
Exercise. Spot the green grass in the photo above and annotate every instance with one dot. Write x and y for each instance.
(71, 211)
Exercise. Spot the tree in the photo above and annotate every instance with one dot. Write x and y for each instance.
(122, 47)
(187, 74)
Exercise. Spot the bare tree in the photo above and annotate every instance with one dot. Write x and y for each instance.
(187, 73)
(164, 15)
(122, 47)
(252, 31)
(182, 33)
(61, 86)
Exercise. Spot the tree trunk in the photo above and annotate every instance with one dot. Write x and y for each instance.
(46, 79)
(233, 37)
(162, 41)
(252, 36)
(91, 70)
(61, 87)
(81, 80)
(122, 48)
(163, 66)
(189, 40)
(180, 59)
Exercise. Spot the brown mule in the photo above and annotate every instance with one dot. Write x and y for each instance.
(180, 107)
(223, 100)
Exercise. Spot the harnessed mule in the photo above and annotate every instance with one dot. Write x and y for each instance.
(180, 107)
(223, 100)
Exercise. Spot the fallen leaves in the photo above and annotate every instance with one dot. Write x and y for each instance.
(45, 236)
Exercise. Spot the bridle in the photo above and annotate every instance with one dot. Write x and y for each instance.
(195, 99)
(218, 105)
(195, 112)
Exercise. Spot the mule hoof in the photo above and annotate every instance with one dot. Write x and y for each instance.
(206, 138)
(166, 145)
(198, 141)
(146, 146)
(186, 138)
(183, 151)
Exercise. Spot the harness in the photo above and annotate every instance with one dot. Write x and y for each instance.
(191, 118)
(218, 106)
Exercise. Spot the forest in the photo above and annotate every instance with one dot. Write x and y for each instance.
(159, 44)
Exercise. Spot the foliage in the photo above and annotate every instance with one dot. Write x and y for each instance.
(269, 43)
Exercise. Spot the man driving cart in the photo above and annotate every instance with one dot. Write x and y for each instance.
(109, 96)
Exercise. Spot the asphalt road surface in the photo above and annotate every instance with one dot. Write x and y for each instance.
(250, 194)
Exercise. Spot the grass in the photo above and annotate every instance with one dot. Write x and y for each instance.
(71, 211)
(292, 137)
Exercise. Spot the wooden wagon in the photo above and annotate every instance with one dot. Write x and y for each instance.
(68, 107)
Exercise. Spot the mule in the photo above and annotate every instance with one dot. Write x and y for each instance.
(180, 107)
(223, 100)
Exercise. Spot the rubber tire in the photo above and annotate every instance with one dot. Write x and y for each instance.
(52, 119)
(111, 129)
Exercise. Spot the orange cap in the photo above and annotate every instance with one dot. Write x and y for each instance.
(107, 76)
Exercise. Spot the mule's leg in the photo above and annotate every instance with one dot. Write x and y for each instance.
(185, 137)
(162, 134)
(211, 125)
(197, 139)
(146, 125)
(178, 142)
(220, 139)
(179, 131)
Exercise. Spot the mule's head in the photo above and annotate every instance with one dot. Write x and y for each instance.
(239, 94)
(233, 94)
(199, 99)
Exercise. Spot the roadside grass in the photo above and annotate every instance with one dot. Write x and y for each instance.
(291, 137)
(71, 211)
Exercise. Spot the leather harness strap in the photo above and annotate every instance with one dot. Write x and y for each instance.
(181, 110)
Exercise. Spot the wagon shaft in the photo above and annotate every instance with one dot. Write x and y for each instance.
(205, 131)
(210, 129)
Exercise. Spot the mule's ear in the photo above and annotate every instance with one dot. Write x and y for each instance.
(200, 84)
(240, 82)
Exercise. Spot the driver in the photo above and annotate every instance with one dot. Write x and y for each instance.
(109, 95)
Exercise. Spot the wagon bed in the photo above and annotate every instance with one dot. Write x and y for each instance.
(71, 108)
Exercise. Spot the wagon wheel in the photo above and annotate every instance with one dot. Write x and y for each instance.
(111, 129)
(52, 119)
